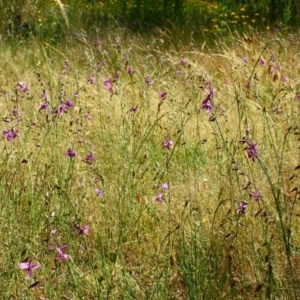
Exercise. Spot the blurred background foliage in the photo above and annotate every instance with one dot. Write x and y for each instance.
(44, 18)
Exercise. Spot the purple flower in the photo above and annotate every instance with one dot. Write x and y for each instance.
(61, 253)
(10, 134)
(184, 62)
(43, 106)
(130, 71)
(252, 150)
(134, 109)
(285, 79)
(83, 229)
(262, 62)
(159, 198)
(99, 192)
(29, 267)
(69, 103)
(70, 153)
(67, 65)
(255, 195)
(109, 85)
(165, 187)
(23, 87)
(207, 102)
(179, 72)
(90, 158)
(298, 96)
(206, 105)
(148, 80)
(242, 207)
(91, 80)
(168, 144)
(245, 59)
(163, 95)
(89, 117)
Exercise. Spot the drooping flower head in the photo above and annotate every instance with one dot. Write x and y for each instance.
(29, 266)
(252, 150)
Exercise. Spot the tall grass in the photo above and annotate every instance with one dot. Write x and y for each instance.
(168, 171)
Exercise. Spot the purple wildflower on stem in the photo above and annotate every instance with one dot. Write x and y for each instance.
(99, 192)
(10, 134)
(44, 106)
(207, 102)
(109, 85)
(298, 96)
(255, 195)
(70, 153)
(165, 187)
(252, 150)
(130, 71)
(68, 103)
(91, 80)
(29, 267)
(90, 158)
(23, 87)
(83, 229)
(184, 62)
(168, 144)
(262, 62)
(133, 109)
(242, 207)
(159, 198)
(61, 252)
(163, 95)
(148, 80)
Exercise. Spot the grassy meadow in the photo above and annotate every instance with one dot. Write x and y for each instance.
(143, 167)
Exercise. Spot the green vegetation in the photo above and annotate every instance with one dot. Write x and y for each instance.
(148, 165)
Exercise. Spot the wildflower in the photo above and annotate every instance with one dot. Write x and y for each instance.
(99, 192)
(61, 253)
(179, 72)
(207, 102)
(10, 134)
(165, 187)
(159, 198)
(91, 80)
(285, 79)
(62, 108)
(252, 150)
(298, 96)
(168, 144)
(83, 229)
(29, 267)
(89, 117)
(90, 158)
(68, 103)
(262, 62)
(70, 153)
(148, 80)
(184, 62)
(130, 71)
(43, 106)
(245, 59)
(109, 85)
(163, 95)
(255, 195)
(67, 65)
(23, 87)
(134, 109)
(242, 207)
